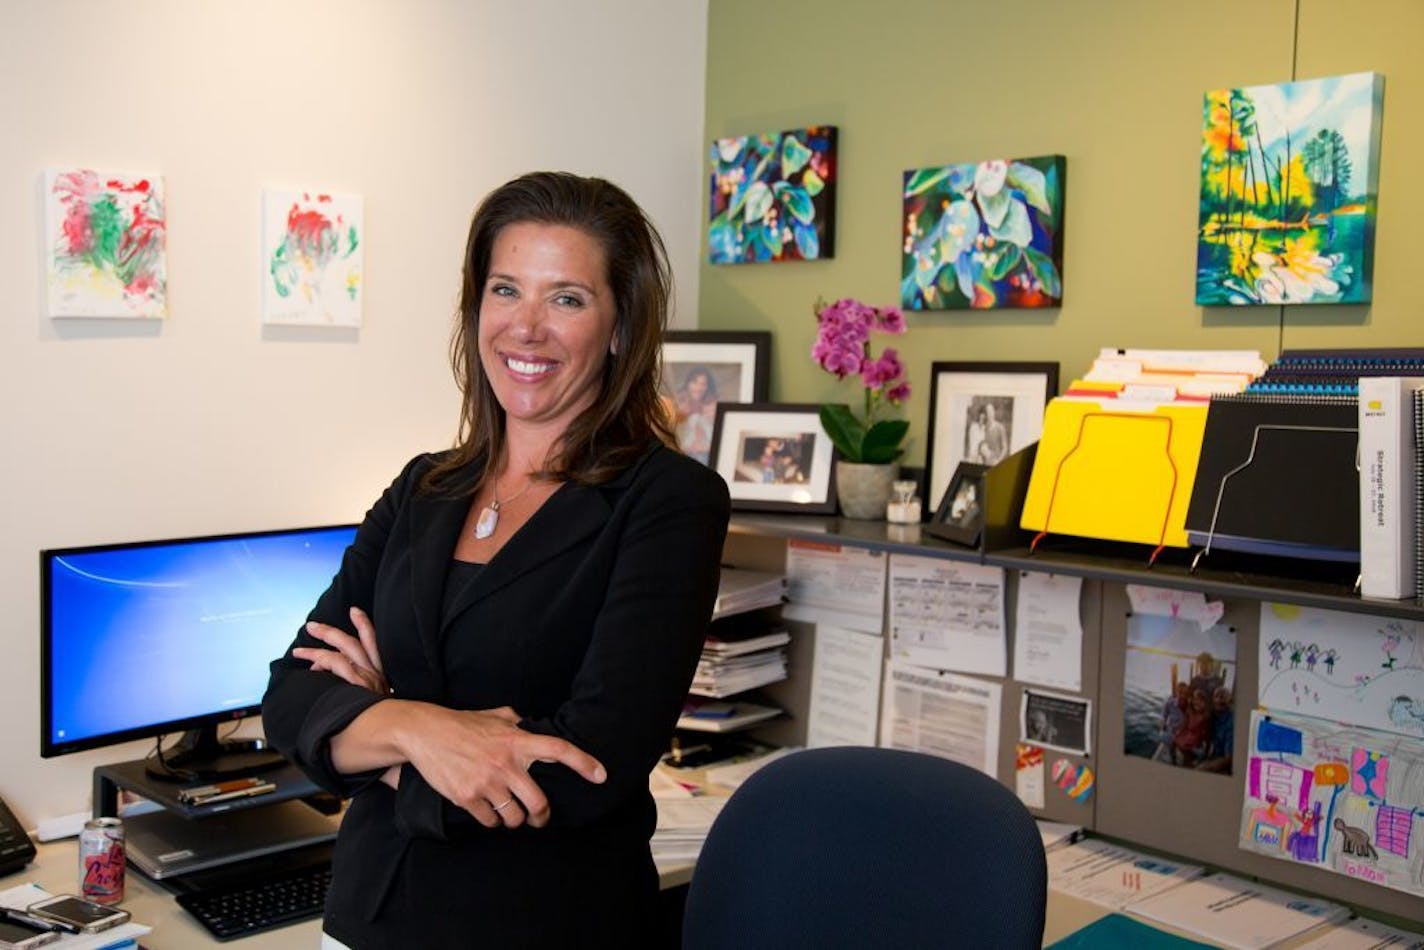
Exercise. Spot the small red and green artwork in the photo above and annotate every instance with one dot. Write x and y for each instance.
(1289, 186)
(984, 235)
(773, 197)
(313, 247)
(106, 238)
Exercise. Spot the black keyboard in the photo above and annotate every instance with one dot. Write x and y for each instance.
(240, 911)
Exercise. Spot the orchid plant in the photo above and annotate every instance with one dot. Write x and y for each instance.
(842, 348)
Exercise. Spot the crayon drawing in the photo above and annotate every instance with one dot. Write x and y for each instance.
(106, 247)
(1289, 187)
(1351, 668)
(1346, 800)
(312, 250)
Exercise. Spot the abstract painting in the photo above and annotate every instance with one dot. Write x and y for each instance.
(984, 236)
(773, 197)
(312, 250)
(1289, 188)
(105, 238)
(1342, 799)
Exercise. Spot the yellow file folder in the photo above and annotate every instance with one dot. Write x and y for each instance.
(1116, 473)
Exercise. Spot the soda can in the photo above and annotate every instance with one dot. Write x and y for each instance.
(101, 860)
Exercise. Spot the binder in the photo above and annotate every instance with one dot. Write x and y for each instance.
(1388, 513)
(1115, 471)
(1279, 475)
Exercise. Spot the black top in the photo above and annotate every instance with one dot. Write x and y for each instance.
(588, 622)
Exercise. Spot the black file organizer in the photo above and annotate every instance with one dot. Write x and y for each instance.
(1279, 476)
(1005, 486)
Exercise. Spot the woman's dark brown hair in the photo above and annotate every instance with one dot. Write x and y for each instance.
(628, 412)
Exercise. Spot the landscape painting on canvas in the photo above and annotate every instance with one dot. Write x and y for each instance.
(1288, 192)
(983, 235)
(312, 250)
(773, 197)
(105, 239)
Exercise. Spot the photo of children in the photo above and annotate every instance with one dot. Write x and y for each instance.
(1178, 688)
(775, 459)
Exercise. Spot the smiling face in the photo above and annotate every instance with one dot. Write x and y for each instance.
(546, 321)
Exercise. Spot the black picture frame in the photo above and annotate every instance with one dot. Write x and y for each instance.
(735, 366)
(960, 515)
(1017, 393)
(775, 457)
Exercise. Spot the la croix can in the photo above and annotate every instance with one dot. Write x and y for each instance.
(101, 860)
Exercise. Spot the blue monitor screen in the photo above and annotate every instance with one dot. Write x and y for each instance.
(143, 639)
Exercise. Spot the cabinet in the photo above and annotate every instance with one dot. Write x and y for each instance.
(1193, 815)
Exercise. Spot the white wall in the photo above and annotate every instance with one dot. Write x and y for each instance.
(204, 423)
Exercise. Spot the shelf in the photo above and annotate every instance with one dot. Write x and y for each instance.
(1323, 584)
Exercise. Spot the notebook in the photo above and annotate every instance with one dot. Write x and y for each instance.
(1249, 494)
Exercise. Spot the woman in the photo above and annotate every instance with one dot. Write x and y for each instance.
(501, 658)
(696, 406)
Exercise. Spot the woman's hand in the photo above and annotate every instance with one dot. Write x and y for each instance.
(354, 659)
(480, 761)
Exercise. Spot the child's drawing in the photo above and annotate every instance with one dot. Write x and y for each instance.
(1346, 799)
(1351, 668)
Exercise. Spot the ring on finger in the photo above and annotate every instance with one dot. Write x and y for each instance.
(503, 804)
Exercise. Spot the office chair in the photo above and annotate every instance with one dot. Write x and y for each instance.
(860, 847)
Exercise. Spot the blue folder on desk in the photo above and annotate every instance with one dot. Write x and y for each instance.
(1118, 930)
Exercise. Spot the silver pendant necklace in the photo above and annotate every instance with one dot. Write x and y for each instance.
(489, 514)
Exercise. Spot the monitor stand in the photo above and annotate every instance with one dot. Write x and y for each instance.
(201, 755)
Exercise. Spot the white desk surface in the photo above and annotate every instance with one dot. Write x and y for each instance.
(56, 870)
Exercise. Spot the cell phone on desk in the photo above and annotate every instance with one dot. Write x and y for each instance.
(17, 936)
(67, 909)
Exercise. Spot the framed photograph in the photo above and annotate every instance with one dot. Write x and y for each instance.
(1056, 721)
(775, 457)
(982, 413)
(960, 516)
(703, 367)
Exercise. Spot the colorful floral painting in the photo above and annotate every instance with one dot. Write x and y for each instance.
(984, 235)
(773, 197)
(1288, 192)
(106, 244)
(312, 251)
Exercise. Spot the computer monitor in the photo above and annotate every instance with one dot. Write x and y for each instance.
(155, 637)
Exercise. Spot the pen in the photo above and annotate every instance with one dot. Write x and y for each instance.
(220, 788)
(235, 793)
(20, 917)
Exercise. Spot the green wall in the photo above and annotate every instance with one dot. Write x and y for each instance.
(1114, 85)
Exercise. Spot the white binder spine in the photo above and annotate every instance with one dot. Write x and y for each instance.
(1387, 497)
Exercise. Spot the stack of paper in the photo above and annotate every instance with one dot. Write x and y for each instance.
(720, 675)
(1055, 833)
(1236, 912)
(742, 590)
(1362, 934)
(1111, 875)
(733, 774)
(121, 937)
(682, 828)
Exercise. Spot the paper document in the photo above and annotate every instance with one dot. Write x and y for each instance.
(1055, 833)
(845, 687)
(1236, 912)
(1110, 875)
(1362, 934)
(733, 774)
(1048, 631)
(956, 717)
(835, 584)
(947, 615)
(743, 590)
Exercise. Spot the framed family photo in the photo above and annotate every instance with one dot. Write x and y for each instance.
(982, 413)
(701, 368)
(775, 457)
(960, 516)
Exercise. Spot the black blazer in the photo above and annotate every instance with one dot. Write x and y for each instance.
(589, 623)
